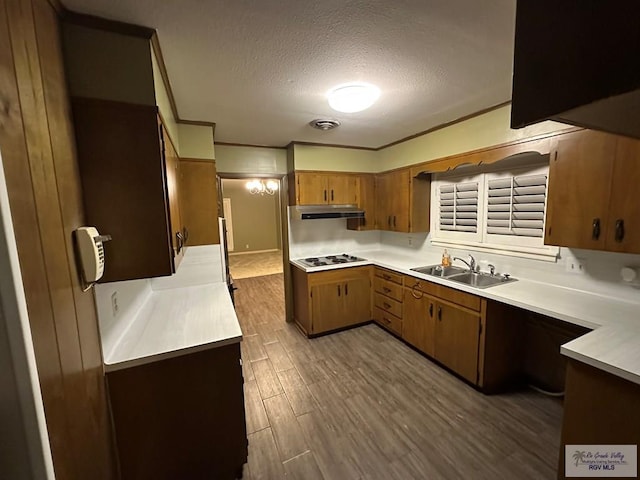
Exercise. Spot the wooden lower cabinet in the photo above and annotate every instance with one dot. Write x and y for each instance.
(333, 299)
(599, 409)
(418, 326)
(476, 338)
(387, 299)
(181, 417)
(457, 335)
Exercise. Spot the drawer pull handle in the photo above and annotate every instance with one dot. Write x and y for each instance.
(386, 289)
(431, 310)
(338, 290)
(386, 277)
(386, 305)
(440, 313)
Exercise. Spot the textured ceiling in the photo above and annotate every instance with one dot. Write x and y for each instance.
(259, 69)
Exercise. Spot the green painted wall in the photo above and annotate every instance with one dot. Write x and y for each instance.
(251, 160)
(256, 218)
(310, 157)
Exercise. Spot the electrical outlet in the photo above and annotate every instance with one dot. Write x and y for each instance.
(114, 303)
(247, 246)
(576, 265)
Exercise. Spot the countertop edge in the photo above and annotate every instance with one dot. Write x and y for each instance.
(136, 362)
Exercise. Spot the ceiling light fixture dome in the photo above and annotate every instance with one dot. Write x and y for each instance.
(353, 97)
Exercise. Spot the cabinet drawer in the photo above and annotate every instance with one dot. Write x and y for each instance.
(387, 320)
(389, 276)
(452, 295)
(390, 289)
(389, 305)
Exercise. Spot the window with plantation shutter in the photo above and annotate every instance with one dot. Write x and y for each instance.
(516, 205)
(459, 207)
(496, 209)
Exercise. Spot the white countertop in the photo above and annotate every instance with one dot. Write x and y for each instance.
(185, 313)
(613, 345)
(177, 321)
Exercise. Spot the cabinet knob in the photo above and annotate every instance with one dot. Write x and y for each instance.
(595, 232)
(619, 236)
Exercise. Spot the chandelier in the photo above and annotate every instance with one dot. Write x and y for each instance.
(260, 187)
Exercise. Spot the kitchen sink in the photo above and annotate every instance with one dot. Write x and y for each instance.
(480, 280)
(463, 275)
(440, 271)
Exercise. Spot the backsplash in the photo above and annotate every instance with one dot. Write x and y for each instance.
(327, 236)
(601, 274)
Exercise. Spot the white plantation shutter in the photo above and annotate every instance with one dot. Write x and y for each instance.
(516, 205)
(458, 207)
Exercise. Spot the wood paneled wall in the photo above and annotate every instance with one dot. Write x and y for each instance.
(36, 138)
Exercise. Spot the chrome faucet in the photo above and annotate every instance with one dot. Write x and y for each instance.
(471, 263)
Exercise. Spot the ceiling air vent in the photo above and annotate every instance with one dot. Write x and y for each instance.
(324, 124)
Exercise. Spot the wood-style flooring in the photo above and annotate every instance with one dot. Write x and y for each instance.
(360, 404)
(246, 265)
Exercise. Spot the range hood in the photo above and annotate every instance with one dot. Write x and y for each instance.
(314, 212)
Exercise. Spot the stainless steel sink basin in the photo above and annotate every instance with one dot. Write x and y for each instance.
(480, 280)
(440, 271)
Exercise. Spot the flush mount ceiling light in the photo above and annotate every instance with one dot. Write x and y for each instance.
(353, 97)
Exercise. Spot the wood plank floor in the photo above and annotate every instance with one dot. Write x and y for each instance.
(360, 404)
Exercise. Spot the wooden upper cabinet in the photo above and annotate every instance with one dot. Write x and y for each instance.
(403, 202)
(172, 166)
(591, 179)
(366, 194)
(315, 188)
(125, 185)
(199, 202)
(623, 222)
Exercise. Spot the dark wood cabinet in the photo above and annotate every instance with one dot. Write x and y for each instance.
(181, 417)
(577, 64)
(591, 202)
(129, 187)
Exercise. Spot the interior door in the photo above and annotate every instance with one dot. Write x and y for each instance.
(456, 340)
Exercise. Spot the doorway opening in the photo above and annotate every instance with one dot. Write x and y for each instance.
(252, 207)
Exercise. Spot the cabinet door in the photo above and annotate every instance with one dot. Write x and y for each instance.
(357, 301)
(173, 175)
(327, 307)
(383, 202)
(456, 340)
(342, 190)
(623, 224)
(400, 182)
(199, 202)
(579, 186)
(312, 188)
(418, 320)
